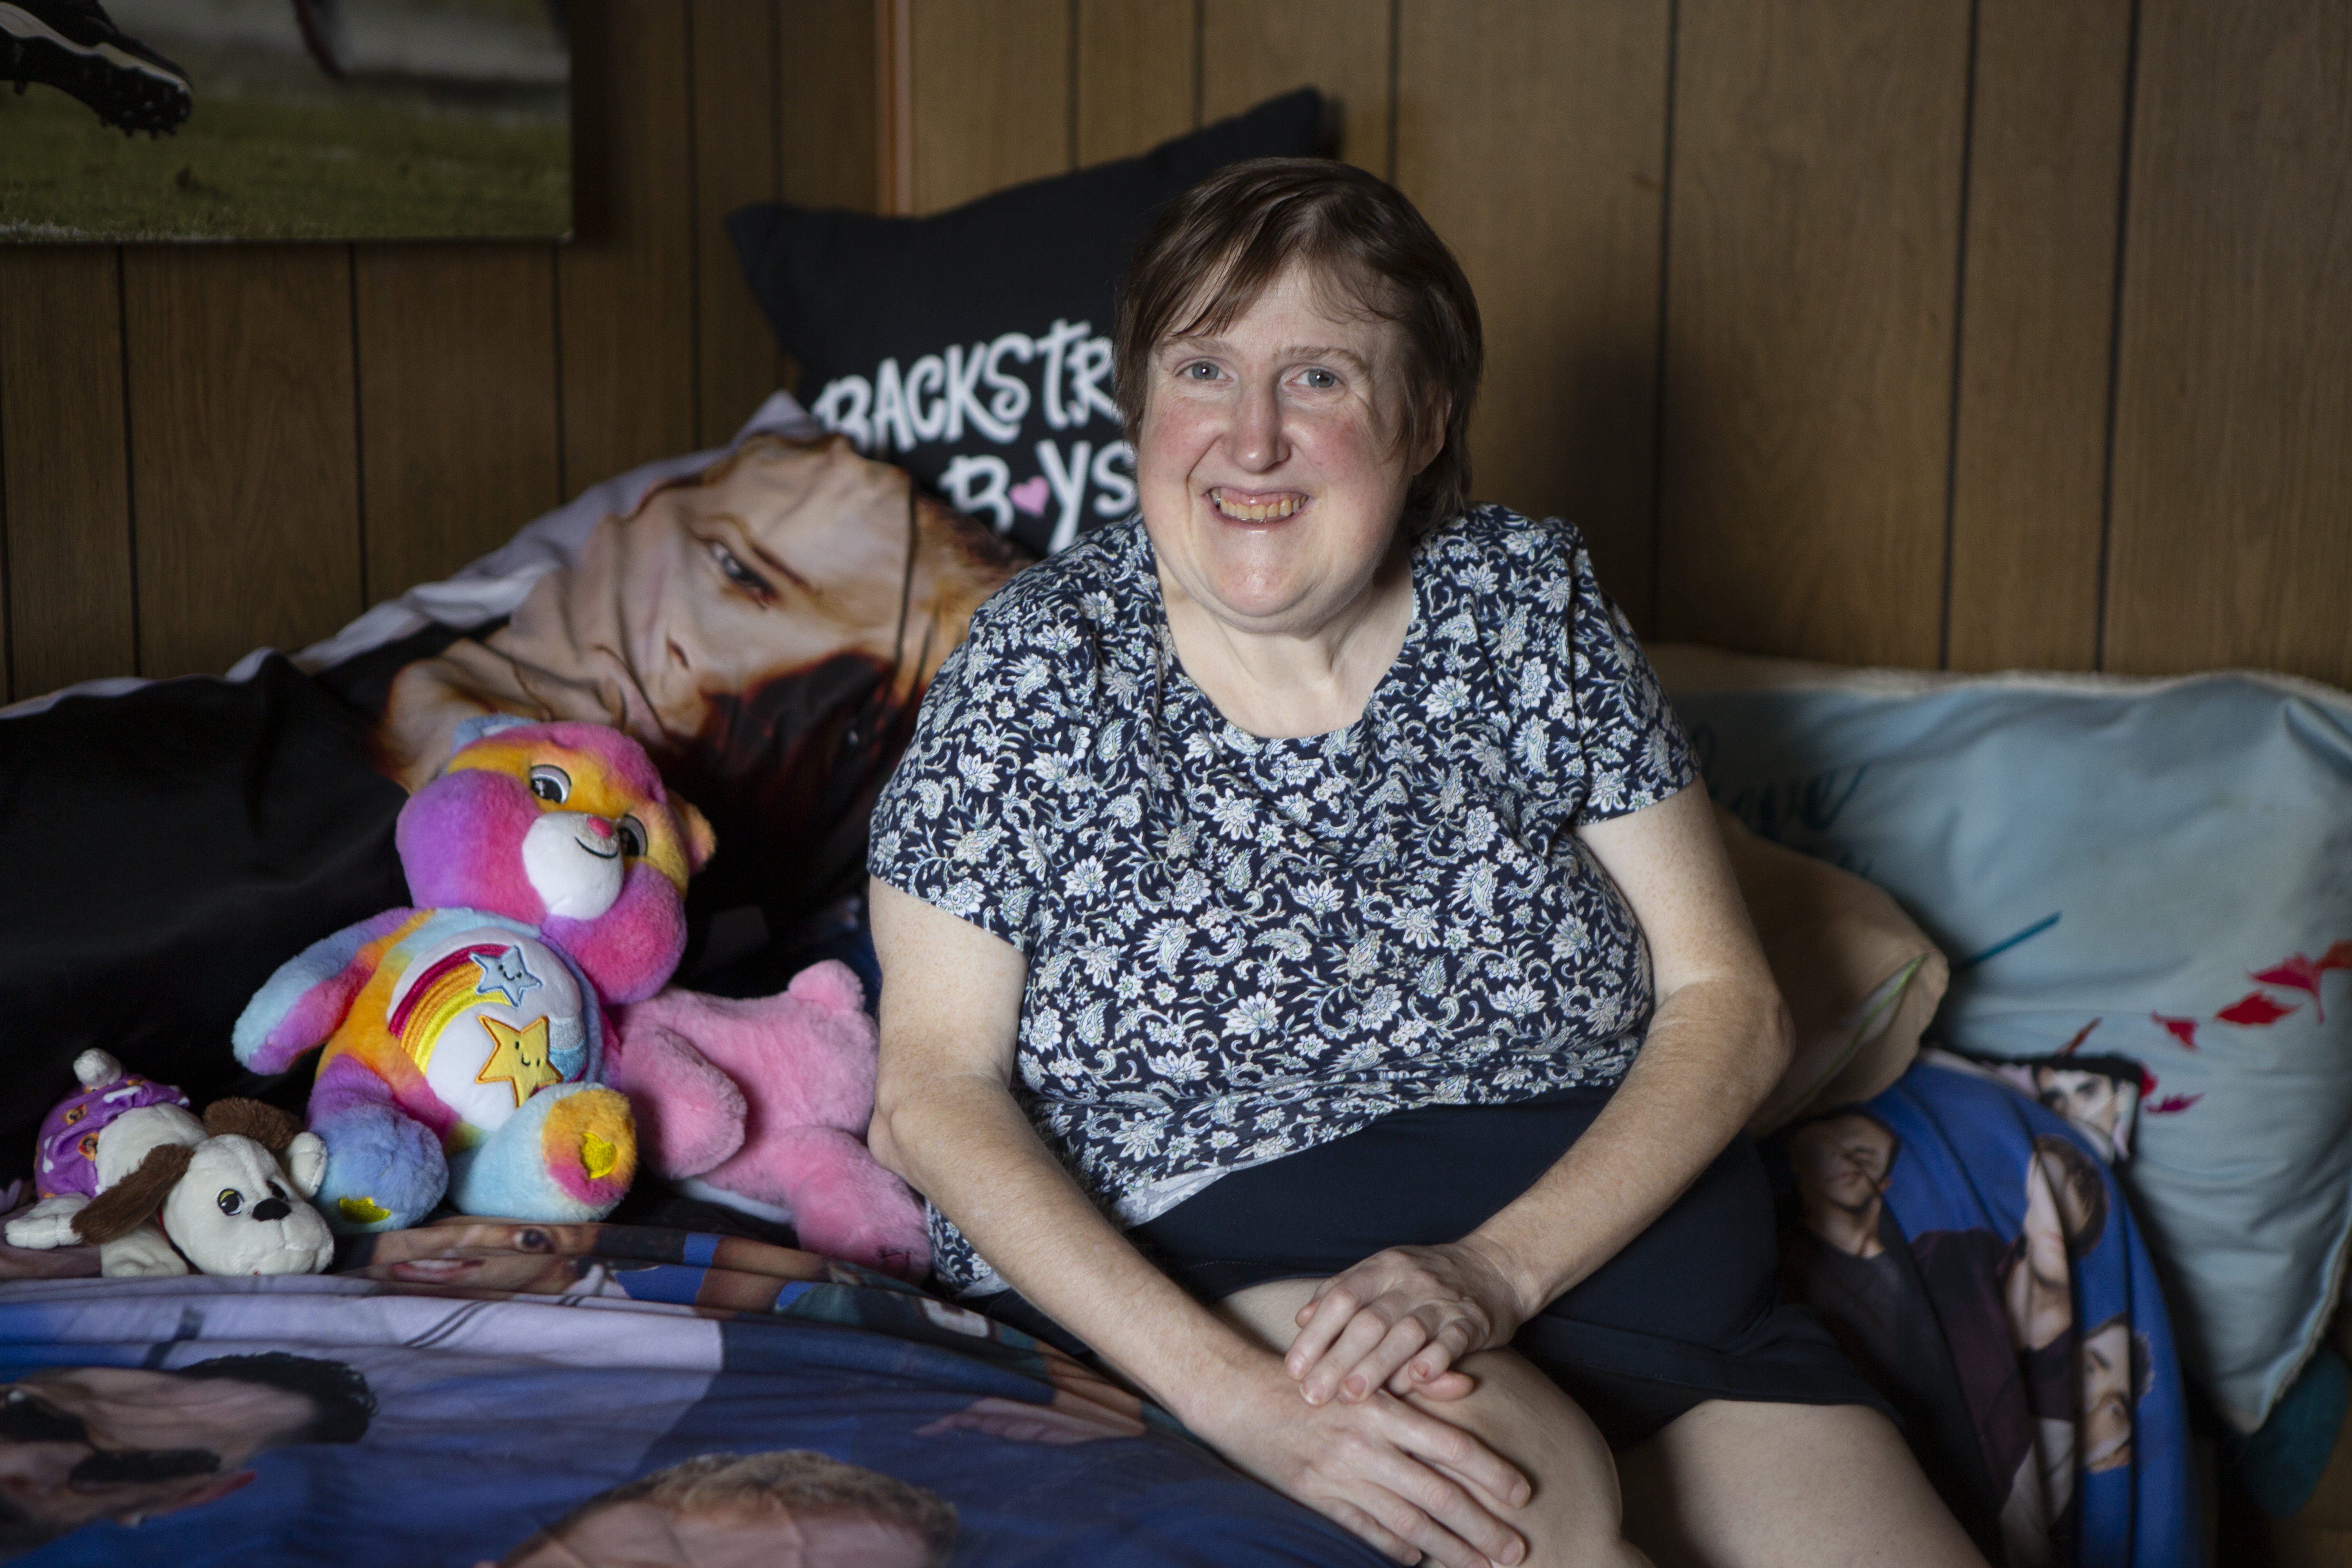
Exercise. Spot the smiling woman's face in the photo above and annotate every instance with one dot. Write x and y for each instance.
(1271, 481)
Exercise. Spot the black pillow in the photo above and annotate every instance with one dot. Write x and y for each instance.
(972, 347)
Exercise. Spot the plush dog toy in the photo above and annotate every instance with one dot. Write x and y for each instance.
(762, 1105)
(464, 1038)
(123, 1165)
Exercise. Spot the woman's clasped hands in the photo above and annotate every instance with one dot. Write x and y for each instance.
(1413, 1485)
(1401, 1319)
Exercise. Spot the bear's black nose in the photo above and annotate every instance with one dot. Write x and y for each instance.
(272, 1208)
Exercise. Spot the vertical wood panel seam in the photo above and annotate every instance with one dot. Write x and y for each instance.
(1396, 54)
(1665, 272)
(693, 239)
(1959, 318)
(130, 464)
(902, 96)
(2116, 333)
(8, 617)
(885, 108)
(555, 308)
(894, 22)
(1199, 59)
(776, 98)
(359, 424)
(777, 368)
(1070, 98)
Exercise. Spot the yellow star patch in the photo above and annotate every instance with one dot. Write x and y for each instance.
(518, 1057)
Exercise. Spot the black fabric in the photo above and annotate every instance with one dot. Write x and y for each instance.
(865, 301)
(1688, 1312)
(167, 849)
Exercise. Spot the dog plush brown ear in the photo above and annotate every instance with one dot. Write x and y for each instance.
(119, 1210)
(266, 1124)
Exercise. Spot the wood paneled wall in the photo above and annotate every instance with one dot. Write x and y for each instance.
(2011, 332)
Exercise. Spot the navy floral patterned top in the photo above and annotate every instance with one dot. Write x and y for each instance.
(1241, 948)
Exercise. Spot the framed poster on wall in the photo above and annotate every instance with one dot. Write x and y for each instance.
(273, 119)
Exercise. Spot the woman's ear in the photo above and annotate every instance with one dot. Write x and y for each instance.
(1439, 413)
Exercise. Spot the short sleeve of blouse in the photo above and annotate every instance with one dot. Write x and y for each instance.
(968, 822)
(1635, 753)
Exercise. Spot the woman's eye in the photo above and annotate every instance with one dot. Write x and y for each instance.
(1321, 380)
(742, 576)
(633, 838)
(231, 1200)
(550, 783)
(1199, 370)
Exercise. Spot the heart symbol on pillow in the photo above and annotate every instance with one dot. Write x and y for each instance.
(1030, 495)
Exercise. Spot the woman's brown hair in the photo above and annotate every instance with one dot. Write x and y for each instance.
(1220, 244)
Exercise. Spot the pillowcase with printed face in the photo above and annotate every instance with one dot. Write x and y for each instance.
(972, 347)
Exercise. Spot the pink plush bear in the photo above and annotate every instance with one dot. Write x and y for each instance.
(762, 1105)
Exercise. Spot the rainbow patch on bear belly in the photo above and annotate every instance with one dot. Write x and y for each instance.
(490, 1018)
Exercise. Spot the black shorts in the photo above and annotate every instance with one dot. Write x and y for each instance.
(1689, 1311)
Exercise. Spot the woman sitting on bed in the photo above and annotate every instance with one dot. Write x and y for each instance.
(1311, 982)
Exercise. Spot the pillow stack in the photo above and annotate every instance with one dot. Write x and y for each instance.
(2147, 871)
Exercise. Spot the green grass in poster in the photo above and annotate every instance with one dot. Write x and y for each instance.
(321, 163)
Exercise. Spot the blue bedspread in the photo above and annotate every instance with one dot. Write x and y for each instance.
(497, 1412)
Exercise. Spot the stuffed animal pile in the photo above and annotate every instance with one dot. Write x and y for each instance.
(476, 1047)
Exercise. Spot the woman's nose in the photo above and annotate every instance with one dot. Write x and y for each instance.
(1257, 439)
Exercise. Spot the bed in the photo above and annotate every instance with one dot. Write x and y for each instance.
(2079, 1453)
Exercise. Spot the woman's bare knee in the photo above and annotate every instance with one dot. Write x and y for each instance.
(1575, 1517)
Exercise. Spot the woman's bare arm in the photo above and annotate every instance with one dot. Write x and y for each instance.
(945, 1118)
(1718, 1041)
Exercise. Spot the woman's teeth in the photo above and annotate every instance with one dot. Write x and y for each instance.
(1255, 511)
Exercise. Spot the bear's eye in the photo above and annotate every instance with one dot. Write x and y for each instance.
(277, 1192)
(633, 838)
(550, 783)
(231, 1200)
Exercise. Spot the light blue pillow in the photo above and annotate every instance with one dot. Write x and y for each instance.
(2155, 870)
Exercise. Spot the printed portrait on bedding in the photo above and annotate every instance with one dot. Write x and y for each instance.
(765, 629)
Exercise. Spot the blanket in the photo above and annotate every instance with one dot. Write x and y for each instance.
(488, 1392)
(1975, 1257)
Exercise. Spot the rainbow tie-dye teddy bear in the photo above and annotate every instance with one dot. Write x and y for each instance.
(465, 1039)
